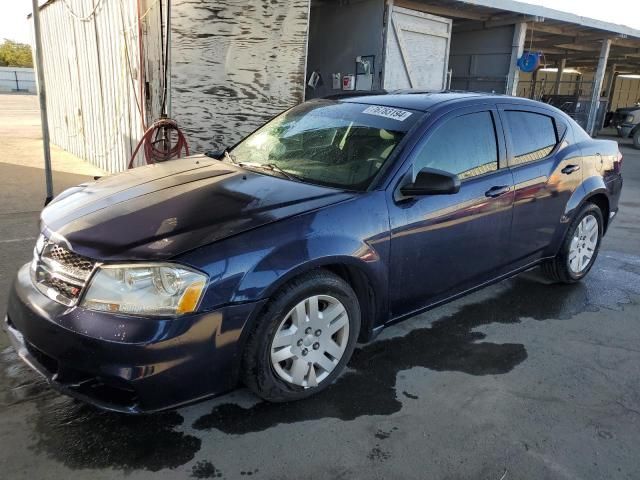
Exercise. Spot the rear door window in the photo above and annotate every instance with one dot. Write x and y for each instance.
(533, 135)
(464, 145)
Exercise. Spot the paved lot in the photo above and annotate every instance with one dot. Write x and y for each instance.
(522, 380)
(22, 191)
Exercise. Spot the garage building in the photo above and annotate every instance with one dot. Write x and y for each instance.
(223, 68)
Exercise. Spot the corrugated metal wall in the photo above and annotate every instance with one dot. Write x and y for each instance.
(235, 64)
(626, 92)
(91, 65)
(546, 80)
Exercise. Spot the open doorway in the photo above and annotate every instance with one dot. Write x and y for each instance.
(369, 45)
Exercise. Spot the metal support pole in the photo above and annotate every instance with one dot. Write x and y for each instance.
(556, 87)
(517, 49)
(610, 80)
(609, 89)
(534, 84)
(611, 84)
(15, 74)
(42, 93)
(597, 86)
(169, 50)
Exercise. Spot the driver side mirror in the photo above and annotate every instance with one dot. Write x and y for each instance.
(431, 181)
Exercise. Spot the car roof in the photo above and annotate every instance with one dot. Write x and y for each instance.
(426, 101)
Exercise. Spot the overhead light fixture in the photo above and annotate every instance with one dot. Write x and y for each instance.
(566, 70)
(628, 75)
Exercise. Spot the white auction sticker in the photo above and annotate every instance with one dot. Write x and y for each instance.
(387, 112)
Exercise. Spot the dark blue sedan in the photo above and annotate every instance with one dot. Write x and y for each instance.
(265, 264)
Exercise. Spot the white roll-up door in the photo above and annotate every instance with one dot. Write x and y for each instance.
(417, 50)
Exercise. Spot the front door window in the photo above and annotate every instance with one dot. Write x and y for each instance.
(464, 145)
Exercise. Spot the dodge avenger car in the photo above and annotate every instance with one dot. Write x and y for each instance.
(263, 264)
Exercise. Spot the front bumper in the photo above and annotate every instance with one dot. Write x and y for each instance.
(126, 363)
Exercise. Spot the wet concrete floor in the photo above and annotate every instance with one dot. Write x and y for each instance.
(521, 380)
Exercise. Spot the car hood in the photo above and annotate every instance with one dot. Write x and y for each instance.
(160, 211)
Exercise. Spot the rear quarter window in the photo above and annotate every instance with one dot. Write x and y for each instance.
(561, 129)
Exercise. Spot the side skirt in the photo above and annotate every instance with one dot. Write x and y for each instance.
(431, 306)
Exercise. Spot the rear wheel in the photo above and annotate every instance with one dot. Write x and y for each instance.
(304, 339)
(579, 248)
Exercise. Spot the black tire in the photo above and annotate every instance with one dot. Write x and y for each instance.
(557, 269)
(257, 371)
(636, 139)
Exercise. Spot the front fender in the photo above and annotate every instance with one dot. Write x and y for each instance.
(253, 265)
(318, 252)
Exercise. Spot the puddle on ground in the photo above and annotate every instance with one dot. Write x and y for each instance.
(81, 436)
(449, 344)
(205, 469)
(18, 383)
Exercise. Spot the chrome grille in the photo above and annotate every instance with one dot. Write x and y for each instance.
(60, 273)
(71, 263)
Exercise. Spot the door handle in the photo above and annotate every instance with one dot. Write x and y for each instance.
(569, 169)
(496, 191)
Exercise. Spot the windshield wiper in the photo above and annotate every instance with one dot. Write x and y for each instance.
(269, 166)
(276, 168)
(228, 156)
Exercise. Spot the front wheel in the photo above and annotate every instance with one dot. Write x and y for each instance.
(304, 338)
(636, 139)
(579, 248)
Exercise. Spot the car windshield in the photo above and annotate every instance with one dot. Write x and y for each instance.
(337, 144)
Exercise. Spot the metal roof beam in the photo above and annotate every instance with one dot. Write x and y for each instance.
(555, 42)
(626, 42)
(502, 20)
(495, 22)
(554, 51)
(581, 57)
(567, 31)
(463, 11)
(579, 47)
(586, 41)
(553, 15)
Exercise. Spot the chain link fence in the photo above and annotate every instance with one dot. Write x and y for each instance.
(571, 96)
(18, 80)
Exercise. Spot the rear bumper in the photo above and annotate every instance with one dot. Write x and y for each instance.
(124, 363)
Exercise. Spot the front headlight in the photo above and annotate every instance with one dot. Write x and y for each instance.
(156, 289)
(630, 119)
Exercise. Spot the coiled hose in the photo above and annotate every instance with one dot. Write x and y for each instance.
(162, 133)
